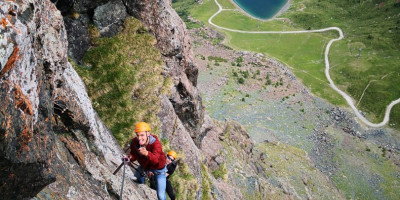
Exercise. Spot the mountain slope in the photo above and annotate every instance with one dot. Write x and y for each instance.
(66, 148)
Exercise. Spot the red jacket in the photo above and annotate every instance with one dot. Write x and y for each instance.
(156, 157)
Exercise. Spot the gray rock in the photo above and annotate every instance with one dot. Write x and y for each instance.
(109, 18)
(222, 138)
(87, 6)
(63, 5)
(219, 160)
(33, 48)
(304, 179)
(179, 138)
(78, 38)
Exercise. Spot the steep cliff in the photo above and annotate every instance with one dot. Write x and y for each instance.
(51, 138)
(29, 67)
(53, 143)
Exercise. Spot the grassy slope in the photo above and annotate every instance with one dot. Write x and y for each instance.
(377, 32)
(363, 171)
(292, 166)
(184, 183)
(115, 71)
(226, 4)
(379, 57)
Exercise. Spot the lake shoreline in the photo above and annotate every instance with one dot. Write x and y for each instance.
(281, 11)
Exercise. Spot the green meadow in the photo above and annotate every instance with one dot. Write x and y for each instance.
(368, 56)
(365, 64)
(226, 4)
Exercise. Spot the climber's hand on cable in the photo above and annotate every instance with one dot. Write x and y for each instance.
(125, 158)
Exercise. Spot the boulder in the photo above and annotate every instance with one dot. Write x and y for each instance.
(109, 18)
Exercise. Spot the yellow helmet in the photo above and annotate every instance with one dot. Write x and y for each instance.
(172, 154)
(142, 126)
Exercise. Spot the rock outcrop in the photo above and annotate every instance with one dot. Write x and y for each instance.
(51, 138)
(175, 46)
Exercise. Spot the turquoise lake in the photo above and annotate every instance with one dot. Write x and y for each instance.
(262, 9)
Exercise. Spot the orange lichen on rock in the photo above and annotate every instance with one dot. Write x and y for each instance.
(76, 148)
(11, 61)
(3, 22)
(53, 120)
(8, 127)
(21, 101)
(25, 138)
(11, 15)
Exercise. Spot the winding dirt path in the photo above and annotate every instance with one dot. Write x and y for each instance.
(348, 99)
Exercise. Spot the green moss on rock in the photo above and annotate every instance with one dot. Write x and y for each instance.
(183, 182)
(221, 172)
(205, 178)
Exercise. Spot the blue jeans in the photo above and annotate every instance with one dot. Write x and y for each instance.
(161, 180)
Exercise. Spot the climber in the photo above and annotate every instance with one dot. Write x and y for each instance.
(147, 150)
(171, 166)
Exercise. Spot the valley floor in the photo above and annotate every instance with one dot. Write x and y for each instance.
(275, 107)
(348, 98)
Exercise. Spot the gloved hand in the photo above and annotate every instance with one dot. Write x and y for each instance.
(150, 174)
(125, 159)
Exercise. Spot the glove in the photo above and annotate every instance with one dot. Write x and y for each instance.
(125, 158)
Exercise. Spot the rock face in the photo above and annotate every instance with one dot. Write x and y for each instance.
(32, 49)
(51, 139)
(184, 123)
(179, 138)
